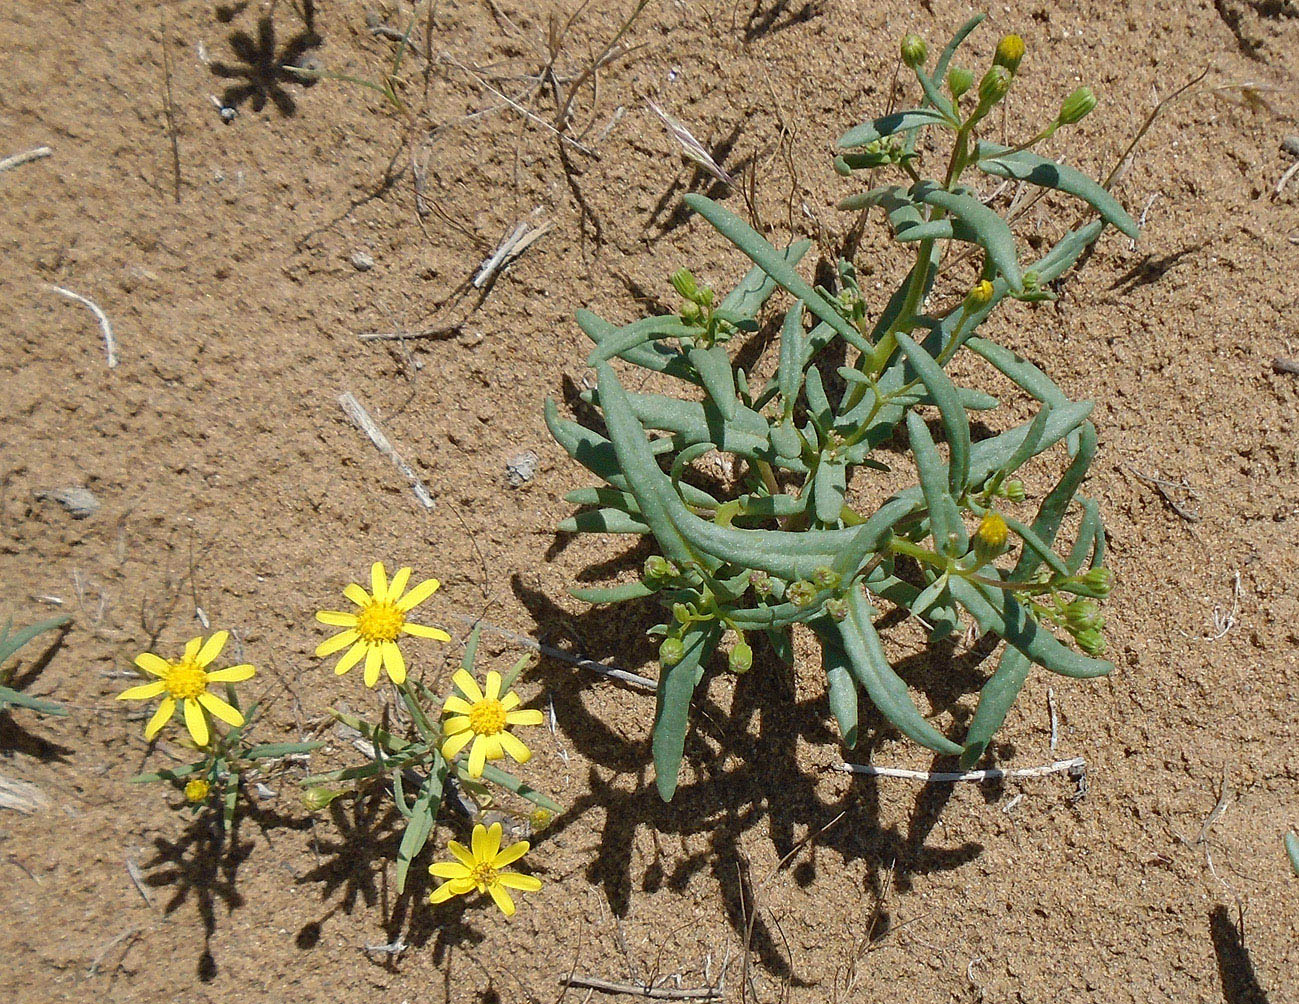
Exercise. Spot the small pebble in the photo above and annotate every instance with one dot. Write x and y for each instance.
(79, 502)
(521, 468)
(361, 261)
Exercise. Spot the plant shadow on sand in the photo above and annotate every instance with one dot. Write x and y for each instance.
(743, 766)
(203, 863)
(264, 72)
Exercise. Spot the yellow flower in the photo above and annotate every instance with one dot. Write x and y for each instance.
(373, 632)
(186, 681)
(485, 718)
(480, 868)
(197, 790)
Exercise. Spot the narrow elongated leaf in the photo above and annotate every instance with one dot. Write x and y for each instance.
(996, 610)
(676, 688)
(949, 50)
(511, 783)
(828, 490)
(945, 523)
(790, 374)
(1089, 530)
(956, 426)
(11, 643)
(714, 368)
(605, 498)
(647, 329)
(887, 125)
(651, 355)
(887, 691)
(16, 698)
(1041, 550)
(265, 751)
(603, 521)
(775, 265)
(614, 594)
(423, 815)
(991, 230)
(842, 690)
(995, 701)
(1052, 510)
(756, 287)
(1024, 165)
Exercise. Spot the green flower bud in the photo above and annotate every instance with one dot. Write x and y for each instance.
(993, 86)
(959, 80)
(1090, 641)
(741, 657)
(825, 578)
(1098, 581)
(1014, 491)
(761, 583)
(683, 281)
(317, 798)
(1010, 50)
(671, 652)
(658, 567)
(1032, 280)
(1082, 614)
(913, 50)
(837, 608)
(801, 593)
(681, 613)
(1076, 106)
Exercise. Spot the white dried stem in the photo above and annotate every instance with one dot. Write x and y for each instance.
(110, 343)
(362, 420)
(1074, 765)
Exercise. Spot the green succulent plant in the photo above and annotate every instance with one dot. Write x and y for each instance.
(11, 643)
(801, 537)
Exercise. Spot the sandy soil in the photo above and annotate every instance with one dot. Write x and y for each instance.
(231, 481)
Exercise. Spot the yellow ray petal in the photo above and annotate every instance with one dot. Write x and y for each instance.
(393, 663)
(160, 718)
(191, 649)
(502, 899)
(211, 648)
(153, 664)
(511, 854)
(357, 595)
(222, 710)
(417, 595)
(350, 658)
(373, 659)
(458, 705)
(453, 887)
(517, 880)
(525, 716)
(336, 643)
(449, 870)
(514, 747)
(462, 853)
(492, 688)
(468, 685)
(378, 582)
(454, 744)
(232, 674)
(510, 701)
(145, 691)
(450, 726)
(424, 631)
(398, 584)
(477, 756)
(336, 618)
(196, 722)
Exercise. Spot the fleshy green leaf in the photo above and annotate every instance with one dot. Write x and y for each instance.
(989, 229)
(995, 701)
(676, 689)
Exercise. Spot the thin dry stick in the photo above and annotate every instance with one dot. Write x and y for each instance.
(638, 990)
(510, 248)
(137, 879)
(992, 774)
(575, 660)
(1055, 724)
(691, 147)
(440, 331)
(26, 157)
(171, 114)
(110, 343)
(362, 420)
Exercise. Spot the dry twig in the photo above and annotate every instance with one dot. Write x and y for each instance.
(658, 993)
(1074, 766)
(110, 343)
(26, 157)
(362, 420)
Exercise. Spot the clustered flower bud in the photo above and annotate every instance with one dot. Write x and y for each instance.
(1076, 106)
(1010, 50)
(801, 593)
(959, 80)
(990, 537)
(657, 567)
(837, 608)
(1014, 491)
(913, 50)
(825, 578)
(1097, 581)
(741, 657)
(761, 583)
(993, 86)
(197, 790)
(1090, 641)
(671, 652)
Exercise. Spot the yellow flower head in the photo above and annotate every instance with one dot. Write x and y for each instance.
(185, 681)
(373, 631)
(479, 867)
(485, 717)
(197, 790)
(992, 531)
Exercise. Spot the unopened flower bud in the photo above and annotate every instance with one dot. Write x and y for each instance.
(980, 295)
(825, 578)
(761, 583)
(1098, 581)
(741, 657)
(671, 652)
(1014, 491)
(657, 567)
(681, 613)
(1090, 641)
(959, 80)
(539, 819)
(913, 50)
(990, 537)
(837, 608)
(1076, 106)
(993, 86)
(1032, 280)
(1082, 614)
(1010, 50)
(197, 790)
(318, 797)
(683, 281)
(801, 593)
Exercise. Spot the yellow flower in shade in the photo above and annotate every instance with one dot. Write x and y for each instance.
(197, 790)
(485, 717)
(185, 682)
(479, 867)
(374, 630)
